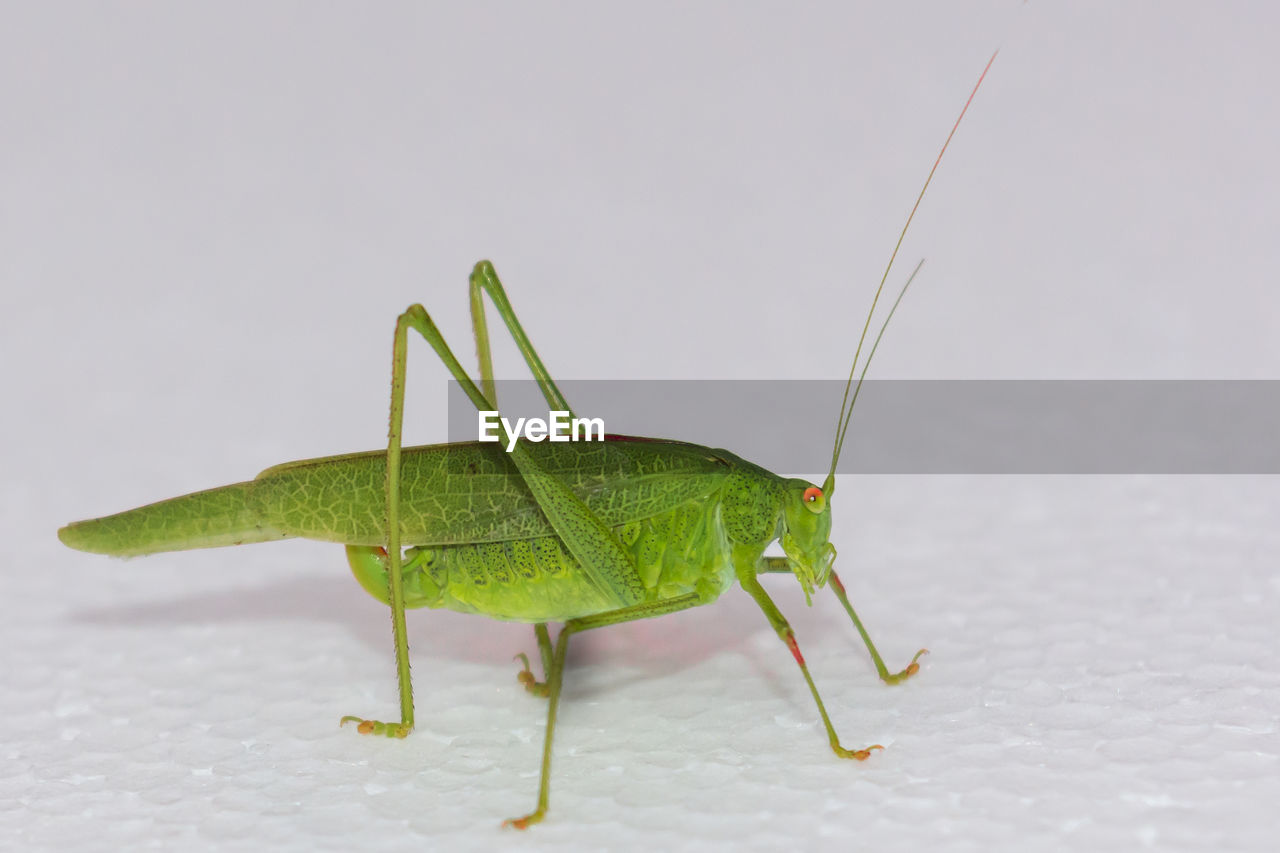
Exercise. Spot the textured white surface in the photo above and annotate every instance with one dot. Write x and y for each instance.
(1104, 675)
(210, 218)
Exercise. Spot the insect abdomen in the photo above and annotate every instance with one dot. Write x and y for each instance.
(537, 580)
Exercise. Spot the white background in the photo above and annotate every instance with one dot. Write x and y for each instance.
(210, 215)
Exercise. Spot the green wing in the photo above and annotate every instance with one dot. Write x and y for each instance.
(471, 492)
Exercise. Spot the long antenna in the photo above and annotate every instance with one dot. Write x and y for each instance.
(846, 404)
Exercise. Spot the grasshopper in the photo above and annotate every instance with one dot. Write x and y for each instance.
(588, 535)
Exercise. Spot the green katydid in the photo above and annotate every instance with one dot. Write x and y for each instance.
(588, 535)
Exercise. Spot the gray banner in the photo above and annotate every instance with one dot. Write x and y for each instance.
(935, 427)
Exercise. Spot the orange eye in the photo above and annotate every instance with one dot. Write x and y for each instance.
(814, 499)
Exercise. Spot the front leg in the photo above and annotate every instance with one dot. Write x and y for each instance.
(745, 563)
(779, 565)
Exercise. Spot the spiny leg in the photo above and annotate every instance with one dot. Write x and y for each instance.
(415, 317)
(588, 539)
(748, 580)
(780, 565)
(484, 279)
(395, 577)
(617, 571)
(526, 676)
(555, 677)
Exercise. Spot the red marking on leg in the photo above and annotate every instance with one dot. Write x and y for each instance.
(835, 581)
(795, 649)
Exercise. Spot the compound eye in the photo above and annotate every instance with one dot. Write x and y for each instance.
(814, 499)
